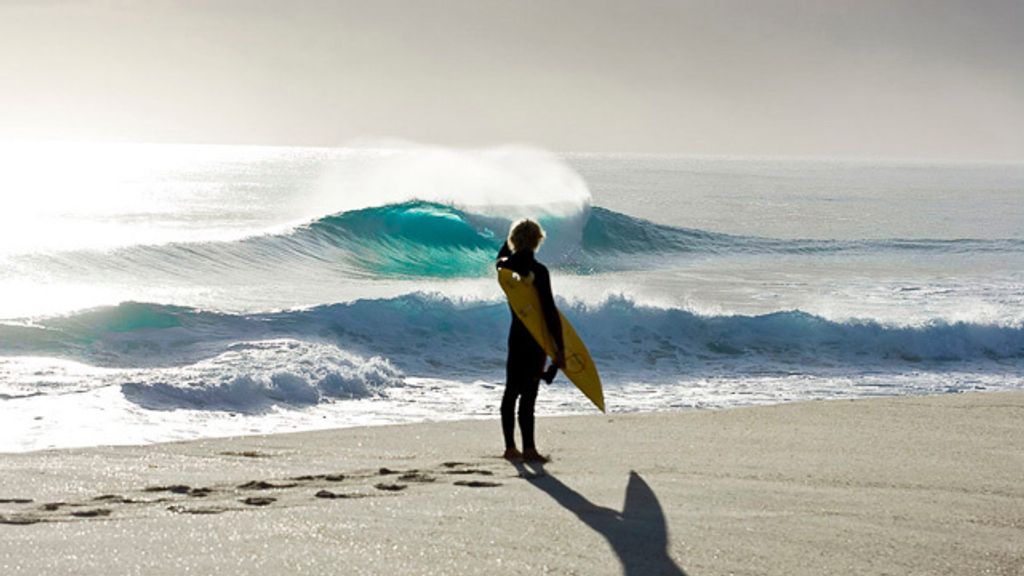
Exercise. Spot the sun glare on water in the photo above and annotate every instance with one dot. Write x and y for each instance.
(65, 200)
(65, 196)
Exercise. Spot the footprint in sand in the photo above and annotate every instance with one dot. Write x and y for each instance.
(465, 471)
(334, 495)
(20, 519)
(197, 509)
(477, 484)
(246, 454)
(261, 485)
(174, 489)
(390, 487)
(94, 513)
(53, 506)
(115, 499)
(258, 501)
(181, 489)
(416, 477)
(327, 477)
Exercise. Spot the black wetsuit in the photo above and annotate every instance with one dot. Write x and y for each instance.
(525, 363)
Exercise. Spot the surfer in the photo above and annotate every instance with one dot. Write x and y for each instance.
(524, 367)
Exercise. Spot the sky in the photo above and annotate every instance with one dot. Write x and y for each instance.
(862, 78)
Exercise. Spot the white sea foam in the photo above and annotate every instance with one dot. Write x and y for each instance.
(252, 377)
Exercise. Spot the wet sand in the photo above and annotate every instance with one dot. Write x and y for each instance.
(916, 485)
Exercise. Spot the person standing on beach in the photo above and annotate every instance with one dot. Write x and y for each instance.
(524, 367)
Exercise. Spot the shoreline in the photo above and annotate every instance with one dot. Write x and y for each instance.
(325, 417)
(909, 485)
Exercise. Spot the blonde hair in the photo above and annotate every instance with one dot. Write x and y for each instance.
(525, 234)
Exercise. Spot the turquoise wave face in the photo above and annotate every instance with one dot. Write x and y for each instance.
(410, 239)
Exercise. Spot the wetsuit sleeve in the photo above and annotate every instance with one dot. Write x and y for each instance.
(542, 282)
(503, 254)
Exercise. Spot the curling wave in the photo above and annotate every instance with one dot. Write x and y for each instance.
(429, 239)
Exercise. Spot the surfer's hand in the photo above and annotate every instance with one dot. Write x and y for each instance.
(549, 375)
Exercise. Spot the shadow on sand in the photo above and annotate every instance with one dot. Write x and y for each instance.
(638, 534)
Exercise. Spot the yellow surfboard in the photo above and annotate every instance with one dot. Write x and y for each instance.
(579, 366)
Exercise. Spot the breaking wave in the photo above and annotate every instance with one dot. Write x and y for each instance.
(422, 334)
(429, 239)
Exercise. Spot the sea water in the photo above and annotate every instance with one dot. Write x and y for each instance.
(163, 292)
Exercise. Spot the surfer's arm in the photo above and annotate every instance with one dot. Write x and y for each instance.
(542, 282)
(503, 254)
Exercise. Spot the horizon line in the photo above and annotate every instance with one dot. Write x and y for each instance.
(400, 144)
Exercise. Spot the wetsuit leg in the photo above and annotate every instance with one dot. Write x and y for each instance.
(508, 412)
(527, 400)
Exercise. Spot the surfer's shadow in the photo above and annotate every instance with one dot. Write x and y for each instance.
(638, 534)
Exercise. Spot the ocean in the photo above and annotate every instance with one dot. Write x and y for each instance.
(164, 292)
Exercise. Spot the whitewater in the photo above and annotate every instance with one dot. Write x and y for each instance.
(165, 292)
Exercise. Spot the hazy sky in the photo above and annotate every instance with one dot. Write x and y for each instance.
(938, 78)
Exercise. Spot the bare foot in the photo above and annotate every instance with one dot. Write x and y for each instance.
(534, 456)
(512, 454)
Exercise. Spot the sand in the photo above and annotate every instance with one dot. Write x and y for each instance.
(916, 485)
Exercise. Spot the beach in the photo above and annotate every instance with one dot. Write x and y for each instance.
(899, 485)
